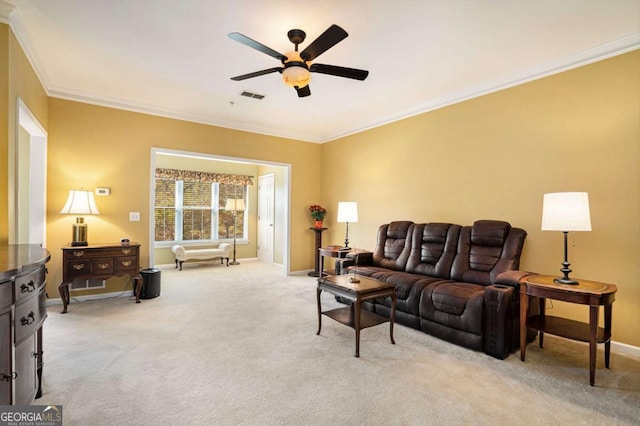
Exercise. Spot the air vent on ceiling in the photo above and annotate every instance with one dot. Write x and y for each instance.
(251, 95)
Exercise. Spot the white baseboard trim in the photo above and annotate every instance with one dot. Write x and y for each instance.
(626, 350)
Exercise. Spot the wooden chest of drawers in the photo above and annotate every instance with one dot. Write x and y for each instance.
(22, 314)
(99, 262)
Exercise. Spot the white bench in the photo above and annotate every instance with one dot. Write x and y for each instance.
(182, 255)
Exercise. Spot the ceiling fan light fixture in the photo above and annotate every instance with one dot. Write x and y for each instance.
(296, 72)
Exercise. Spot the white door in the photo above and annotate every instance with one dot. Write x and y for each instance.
(266, 211)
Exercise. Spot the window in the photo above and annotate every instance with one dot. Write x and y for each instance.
(189, 206)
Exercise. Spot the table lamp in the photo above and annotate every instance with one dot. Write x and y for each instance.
(80, 203)
(347, 212)
(234, 205)
(566, 211)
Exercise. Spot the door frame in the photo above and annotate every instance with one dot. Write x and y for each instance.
(34, 192)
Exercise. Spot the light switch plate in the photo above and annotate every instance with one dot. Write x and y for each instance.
(103, 191)
(134, 216)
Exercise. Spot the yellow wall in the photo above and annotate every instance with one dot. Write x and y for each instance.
(17, 80)
(4, 133)
(490, 157)
(91, 146)
(495, 156)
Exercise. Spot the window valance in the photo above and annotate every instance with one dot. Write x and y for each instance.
(193, 176)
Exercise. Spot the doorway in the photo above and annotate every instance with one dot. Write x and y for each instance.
(160, 252)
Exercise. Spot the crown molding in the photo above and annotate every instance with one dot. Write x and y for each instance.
(605, 51)
(586, 57)
(102, 101)
(5, 11)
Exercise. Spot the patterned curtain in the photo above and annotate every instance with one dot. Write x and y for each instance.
(193, 176)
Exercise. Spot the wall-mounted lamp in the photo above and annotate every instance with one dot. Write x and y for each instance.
(234, 205)
(347, 212)
(566, 211)
(80, 203)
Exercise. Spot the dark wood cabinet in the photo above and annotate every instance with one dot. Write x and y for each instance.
(22, 315)
(99, 262)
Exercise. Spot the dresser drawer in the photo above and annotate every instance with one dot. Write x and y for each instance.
(29, 316)
(29, 284)
(92, 253)
(103, 266)
(126, 264)
(77, 268)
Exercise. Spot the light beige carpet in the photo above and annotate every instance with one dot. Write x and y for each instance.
(237, 346)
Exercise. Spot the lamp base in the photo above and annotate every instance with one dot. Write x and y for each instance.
(565, 281)
(234, 263)
(78, 243)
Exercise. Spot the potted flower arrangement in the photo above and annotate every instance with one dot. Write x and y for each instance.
(318, 214)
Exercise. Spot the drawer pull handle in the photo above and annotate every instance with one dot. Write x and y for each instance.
(29, 319)
(126, 251)
(9, 377)
(79, 253)
(126, 263)
(28, 288)
(103, 265)
(78, 266)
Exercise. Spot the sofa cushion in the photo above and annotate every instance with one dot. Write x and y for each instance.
(485, 250)
(454, 304)
(433, 249)
(393, 245)
(408, 289)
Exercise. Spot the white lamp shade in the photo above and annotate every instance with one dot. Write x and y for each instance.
(80, 202)
(235, 205)
(566, 211)
(347, 211)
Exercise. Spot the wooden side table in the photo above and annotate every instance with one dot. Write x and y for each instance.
(336, 252)
(592, 293)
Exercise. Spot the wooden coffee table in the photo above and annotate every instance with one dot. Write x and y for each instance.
(357, 293)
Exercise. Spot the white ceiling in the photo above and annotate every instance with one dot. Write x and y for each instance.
(173, 57)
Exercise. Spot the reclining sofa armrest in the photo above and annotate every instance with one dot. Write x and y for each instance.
(342, 264)
(363, 257)
(512, 278)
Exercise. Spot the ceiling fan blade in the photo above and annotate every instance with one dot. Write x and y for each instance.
(257, 74)
(354, 73)
(332, 36)
(241, 38)
(303, 92)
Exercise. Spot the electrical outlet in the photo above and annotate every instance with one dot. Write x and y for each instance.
(134, 216)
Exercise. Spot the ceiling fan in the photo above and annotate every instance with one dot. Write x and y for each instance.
(296, 70)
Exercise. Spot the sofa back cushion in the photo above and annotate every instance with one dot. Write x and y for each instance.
(487, 249)
(433, 249)
(393, 245)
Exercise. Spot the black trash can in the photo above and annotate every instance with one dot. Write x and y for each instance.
(150, 283)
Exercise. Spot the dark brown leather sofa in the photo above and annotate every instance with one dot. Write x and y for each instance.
(452, 281)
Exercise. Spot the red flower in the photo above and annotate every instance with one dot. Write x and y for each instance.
(317, 212)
